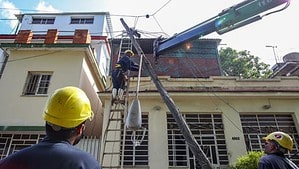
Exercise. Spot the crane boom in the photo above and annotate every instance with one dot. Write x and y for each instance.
(229, 19)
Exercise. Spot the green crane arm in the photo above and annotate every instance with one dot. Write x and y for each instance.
(229, 19)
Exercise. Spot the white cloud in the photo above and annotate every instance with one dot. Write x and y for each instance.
(9, 11)
(43, 7)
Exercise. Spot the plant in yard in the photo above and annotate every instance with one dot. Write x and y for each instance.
(248, 161)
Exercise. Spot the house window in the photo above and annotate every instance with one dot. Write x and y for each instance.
(76, 20)
(37, 83)
(39, 20)
(209, 133)
(257, 126)
(11, 142)
(135, 155)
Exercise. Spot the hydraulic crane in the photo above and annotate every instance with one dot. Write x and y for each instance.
(229, 19)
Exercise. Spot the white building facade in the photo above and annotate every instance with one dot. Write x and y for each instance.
(98, 24)
(51, 51)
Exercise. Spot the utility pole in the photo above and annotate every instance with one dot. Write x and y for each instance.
(189, 138)
(273, 48)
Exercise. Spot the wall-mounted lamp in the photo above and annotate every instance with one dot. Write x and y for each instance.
(157, 108)
(267, 106)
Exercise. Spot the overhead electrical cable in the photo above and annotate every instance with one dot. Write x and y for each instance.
(30, 57)
(161, 7)
(194, 68)
(147, 16)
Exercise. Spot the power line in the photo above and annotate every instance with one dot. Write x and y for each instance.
(194, 68)
(147, 16)
(30, 57)
(153, 15)
(159, 24)
(161, 7)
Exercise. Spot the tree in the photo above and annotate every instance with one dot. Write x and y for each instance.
(242, 64)
(248, 161)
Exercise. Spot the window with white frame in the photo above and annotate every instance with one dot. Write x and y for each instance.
(83, 20)
(41, 20)
(209, 133)
(256, 126)
(37, 83)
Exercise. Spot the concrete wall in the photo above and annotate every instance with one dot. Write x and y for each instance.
(228, 100)
(20, 110)
(62, 23)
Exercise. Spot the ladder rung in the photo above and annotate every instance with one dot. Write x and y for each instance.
(112, 141)
(117, 110)
(115, 119)
(111, 153)
(116, 166)
(114, 130)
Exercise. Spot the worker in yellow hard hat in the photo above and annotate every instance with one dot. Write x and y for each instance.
(277, 144)
(130, 52)
(65, 114)
(118, 74)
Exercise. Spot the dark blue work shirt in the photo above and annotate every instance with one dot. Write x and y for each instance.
(273, 161)
(50, 154)
(127, 64)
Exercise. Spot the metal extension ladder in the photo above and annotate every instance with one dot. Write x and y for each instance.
(112, 141)
(115, 131)
(125, 44)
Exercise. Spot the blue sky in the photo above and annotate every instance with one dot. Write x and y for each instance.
(168, 17)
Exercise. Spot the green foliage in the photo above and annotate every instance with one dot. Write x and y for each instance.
(248, 161)
(242, 64)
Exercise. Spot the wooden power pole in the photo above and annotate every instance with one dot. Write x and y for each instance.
(190, 140)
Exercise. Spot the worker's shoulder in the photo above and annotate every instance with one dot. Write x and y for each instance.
(83, 157)
(268, 159)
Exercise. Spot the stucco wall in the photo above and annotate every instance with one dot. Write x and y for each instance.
(66, 66)
(232, 97)
(62, 23)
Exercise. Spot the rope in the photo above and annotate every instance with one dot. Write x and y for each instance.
(139, 74)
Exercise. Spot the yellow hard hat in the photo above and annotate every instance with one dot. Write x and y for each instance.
(130, 52)
(282, 139)
(68, 107)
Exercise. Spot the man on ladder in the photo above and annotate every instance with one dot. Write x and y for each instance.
(118, 75)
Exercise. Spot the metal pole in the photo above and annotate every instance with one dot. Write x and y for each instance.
(190, 140)
(273, 48)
